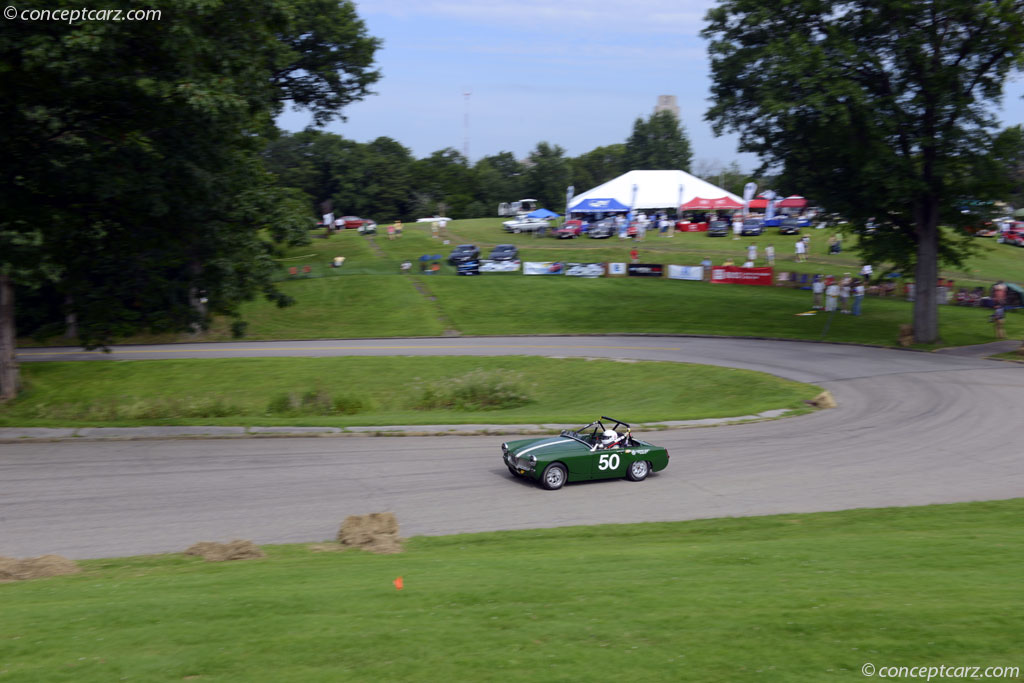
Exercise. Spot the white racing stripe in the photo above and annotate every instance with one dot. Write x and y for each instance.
(541, 445)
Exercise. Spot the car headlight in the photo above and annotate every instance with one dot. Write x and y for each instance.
(533, 459)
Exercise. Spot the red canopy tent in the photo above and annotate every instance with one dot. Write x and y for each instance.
(794, 201)
(758, 203)
(719, 203)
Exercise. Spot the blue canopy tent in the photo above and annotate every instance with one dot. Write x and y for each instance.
(542, 213)
(599, 205)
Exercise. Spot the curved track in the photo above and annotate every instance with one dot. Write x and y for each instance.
(910, 429)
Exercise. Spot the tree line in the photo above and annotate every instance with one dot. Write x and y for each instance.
(382, 180)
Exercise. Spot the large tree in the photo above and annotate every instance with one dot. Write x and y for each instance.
(874, 107)
(547, 176)
(659, 143)
(131, 177)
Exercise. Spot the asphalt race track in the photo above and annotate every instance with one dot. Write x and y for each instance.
(911, 429)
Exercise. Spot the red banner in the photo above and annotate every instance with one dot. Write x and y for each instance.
(686, 226)
(734, 275)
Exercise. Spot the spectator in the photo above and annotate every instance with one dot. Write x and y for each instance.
(728, 262)
(752, 253)
(818, 291)
(866, 271)
(406, 266)
(706, 265)
(391, 231)
(845, 286)
(398, 228)
(748, 264)
(634, 255)
(858, 296)
(999, 293)
(769, 254)
(337, 261)
(833, 243)
(831, 295)
(737, 226)
(998, 313)
(801, 249)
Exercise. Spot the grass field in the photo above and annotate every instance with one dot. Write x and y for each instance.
(344, 391)
(783, 598)
(368, 297)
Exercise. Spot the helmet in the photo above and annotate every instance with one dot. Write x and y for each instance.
(609, 436)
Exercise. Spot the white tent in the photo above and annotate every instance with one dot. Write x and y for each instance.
(654, 190)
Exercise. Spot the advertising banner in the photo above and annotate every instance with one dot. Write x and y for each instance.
(616, 269)
(734, 275)
(584, 269)
(686, 272)
(687, 226)
(489, 266)
(542, 268)
(645, 270)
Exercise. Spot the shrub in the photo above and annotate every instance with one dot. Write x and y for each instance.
(317, 401)
(477, 390)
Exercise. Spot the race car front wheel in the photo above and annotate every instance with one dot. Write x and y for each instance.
(638, 471)
(554, 477)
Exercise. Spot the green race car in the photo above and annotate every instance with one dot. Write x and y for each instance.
(590, 452)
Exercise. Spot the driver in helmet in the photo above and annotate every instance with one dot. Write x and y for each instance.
(609, 438)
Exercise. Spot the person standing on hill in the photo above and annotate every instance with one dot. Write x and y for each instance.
(752, 253)
(831, 295)
(769, 254)
(858, 296)
(801, 249)
(817, 291)
(634, 255)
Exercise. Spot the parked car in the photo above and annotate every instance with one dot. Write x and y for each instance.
(719, 229)
(504, 252)
(568, 230)
(603, 449)
(752, 226)
(524, 224)
(355, 222)
(463, 253)
(368, 228)
(603, 228)
(789, 226)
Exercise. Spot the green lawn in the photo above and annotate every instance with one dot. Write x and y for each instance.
(343, 391)
(783, 598)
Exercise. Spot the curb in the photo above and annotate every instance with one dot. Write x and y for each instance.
(44, 434)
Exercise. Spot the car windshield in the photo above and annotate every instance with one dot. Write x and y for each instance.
(751, 223)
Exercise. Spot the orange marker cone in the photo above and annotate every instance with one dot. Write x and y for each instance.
(398, 583)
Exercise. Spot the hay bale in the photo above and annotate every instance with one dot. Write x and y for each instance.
(212, 551)
(906, 335)
(44, 566)
(376, 532)
(823, 400)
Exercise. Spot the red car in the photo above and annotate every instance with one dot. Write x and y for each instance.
(1014, 236)
(569, 230)
(354, 222)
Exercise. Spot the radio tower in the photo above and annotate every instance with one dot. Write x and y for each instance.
(465, 126)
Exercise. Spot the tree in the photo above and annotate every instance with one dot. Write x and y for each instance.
(874, 107)
(131, 178)
(498, 178)
(659, 143)
(446, 178)
(598, 166)
(1008, 152)
(547, 176)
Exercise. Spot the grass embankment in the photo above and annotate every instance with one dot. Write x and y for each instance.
(783, 598)
(344, 391)
(368, 297)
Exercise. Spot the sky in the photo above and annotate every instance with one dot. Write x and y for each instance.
(576, 73)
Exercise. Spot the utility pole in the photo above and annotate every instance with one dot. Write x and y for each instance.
(465, 126)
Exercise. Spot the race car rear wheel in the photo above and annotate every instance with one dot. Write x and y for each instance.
(554, 477)
(638, 471)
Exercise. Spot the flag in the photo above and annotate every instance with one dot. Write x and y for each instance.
(749, 190)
